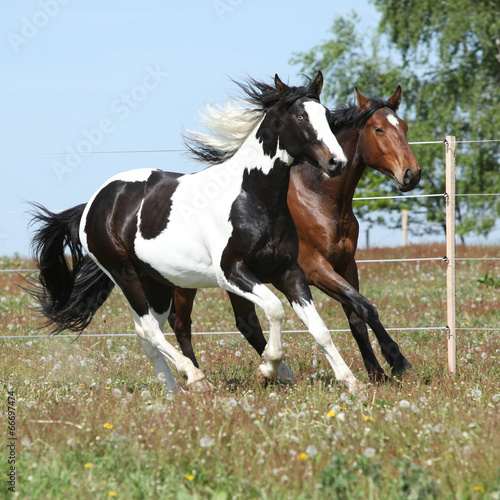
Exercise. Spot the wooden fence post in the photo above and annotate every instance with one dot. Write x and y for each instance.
(450, 253)
(404, 226)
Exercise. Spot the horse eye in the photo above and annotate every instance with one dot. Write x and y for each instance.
(300, 117)
(379, 130)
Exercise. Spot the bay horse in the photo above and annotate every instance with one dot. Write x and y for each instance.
(148, 231)
(370, 133)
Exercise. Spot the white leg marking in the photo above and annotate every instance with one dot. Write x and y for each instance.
(273, 309)
(160, 366)
(148, 329)
(319, 331)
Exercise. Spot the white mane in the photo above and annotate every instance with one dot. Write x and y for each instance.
(228, 127)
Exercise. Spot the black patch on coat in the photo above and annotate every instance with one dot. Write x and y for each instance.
(264, 237)
(157, 204)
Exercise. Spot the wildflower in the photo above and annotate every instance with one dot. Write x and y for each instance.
(330, 414)
(206, 442)
(368, 418)
(495, 397)
(478, 488)
(311, 450)
(89, 465)
(302, 456)
(112, 494)
(107, 425)
(476, 393)
(369, 452)
(404, 404)
(237, 354)
(189, 477)
(448, 456)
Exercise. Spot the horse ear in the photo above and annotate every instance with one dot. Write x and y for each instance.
(281, 88)
(317, 84)
(395, 98)
(362, 100)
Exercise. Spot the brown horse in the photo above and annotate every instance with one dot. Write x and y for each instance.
(370, 134)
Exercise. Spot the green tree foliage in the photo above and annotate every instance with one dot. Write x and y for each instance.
(446, 56)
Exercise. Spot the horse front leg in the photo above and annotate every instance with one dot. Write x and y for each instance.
(239, 280)
(368, 314)
(248, 324)
(293, 284)
(359, 311)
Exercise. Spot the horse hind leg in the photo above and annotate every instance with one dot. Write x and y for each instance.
(147, 317)
(360, 334)
(179, 319)
(160, 300)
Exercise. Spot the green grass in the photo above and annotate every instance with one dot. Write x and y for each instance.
(93, 422)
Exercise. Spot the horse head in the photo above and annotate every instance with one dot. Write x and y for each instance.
(383, 143)
(302, 125)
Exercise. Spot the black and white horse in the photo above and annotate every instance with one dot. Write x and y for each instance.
(148, 231)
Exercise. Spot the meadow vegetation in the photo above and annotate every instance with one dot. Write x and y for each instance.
(93, 422)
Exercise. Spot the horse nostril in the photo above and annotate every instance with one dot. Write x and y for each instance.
(407, 177)
(336, 163)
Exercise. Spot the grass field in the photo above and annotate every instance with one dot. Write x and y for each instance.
(92, 422)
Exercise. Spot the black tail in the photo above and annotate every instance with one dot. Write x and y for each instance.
(68, 297)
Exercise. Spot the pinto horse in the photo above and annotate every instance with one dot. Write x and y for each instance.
(370, 133)
(149, 231)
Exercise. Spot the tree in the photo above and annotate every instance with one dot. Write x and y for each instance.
(446, 56)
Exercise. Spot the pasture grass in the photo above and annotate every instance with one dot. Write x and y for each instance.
(92, 421)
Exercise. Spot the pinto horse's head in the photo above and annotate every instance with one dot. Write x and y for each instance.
(303, 127)
(383, 143)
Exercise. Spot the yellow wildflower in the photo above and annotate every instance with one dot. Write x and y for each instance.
(189, 477)
(112, 494)
(478, 488)
(89, 465)
(107, 425)
(330, 414)
(302, 456)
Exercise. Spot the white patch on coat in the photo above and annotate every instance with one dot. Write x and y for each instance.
(393, 120)
(317, 118)
(189, 250)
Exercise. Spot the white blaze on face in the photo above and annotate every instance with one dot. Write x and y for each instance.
(317, 118)
(393, 120)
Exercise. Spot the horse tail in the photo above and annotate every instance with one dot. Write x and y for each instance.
(68, 296)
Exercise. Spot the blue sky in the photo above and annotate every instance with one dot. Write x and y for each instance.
(125, 75)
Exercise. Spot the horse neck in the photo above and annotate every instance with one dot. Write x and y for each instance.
(349, 180)
(265, 169)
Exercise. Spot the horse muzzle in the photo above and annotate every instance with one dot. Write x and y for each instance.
(411, 178)
(334, 166)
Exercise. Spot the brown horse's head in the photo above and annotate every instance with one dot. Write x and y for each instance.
(383, 143)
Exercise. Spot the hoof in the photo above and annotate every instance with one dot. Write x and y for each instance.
(285, 375)
(201, 385)
(268, 371)
(405, 372)
(356, 386)
(378, 377)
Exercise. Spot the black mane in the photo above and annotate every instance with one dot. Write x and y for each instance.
(264, 96)
(261, 97)
(350, 117)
